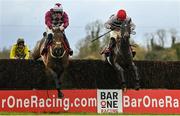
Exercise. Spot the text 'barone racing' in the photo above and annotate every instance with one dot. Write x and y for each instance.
(36, 102)
(147, 102)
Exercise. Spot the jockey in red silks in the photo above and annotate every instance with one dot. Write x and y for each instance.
(114, 23)
(53, 18)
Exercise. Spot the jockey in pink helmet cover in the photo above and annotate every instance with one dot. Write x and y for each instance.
(53, 18)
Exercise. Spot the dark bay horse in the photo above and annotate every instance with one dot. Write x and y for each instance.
(57, 58)
(122, 58)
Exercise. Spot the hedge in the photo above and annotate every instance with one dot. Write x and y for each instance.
(87, 74)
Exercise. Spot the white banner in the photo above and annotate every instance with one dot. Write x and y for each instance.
(109, 101)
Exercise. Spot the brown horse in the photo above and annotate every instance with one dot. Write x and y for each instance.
(57, 58)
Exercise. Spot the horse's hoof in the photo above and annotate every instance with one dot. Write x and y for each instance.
(137, 87)
(124, 88)
(60, 95)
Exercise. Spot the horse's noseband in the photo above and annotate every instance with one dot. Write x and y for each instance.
(58, 43)
(57, 52)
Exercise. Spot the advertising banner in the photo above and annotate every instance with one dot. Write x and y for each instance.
(47, 101)
(152, 101)
(94, 101)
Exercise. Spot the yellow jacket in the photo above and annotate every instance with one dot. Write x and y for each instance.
(17, 53)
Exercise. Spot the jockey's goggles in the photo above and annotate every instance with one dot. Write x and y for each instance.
(57, 11)
(21, 43)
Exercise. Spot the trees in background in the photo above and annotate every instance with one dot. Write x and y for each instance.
(88, 49)
(156, 49)
(4, 53)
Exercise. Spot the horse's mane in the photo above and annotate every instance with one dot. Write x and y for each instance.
(122, 49)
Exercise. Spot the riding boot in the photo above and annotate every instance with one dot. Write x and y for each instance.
(47, 42)
(111, 46)
(68, 46)
(133, 53)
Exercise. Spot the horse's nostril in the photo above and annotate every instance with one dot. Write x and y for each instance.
(57, 50)
(61, 50)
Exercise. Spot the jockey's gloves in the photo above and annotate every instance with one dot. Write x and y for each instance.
(61, 28)
(108, 26)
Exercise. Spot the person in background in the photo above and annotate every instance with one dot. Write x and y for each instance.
(19, 50)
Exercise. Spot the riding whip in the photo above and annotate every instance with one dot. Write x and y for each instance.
(101, 36)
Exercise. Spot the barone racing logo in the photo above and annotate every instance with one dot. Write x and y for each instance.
(149, 102)
(53, 102)
(109, 101)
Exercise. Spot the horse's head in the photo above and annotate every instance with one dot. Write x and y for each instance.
(124, 35)
(57, 49)
(125, 31)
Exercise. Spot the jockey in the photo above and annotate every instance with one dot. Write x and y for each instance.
(114, 23)
(56, 17)
(19, 50)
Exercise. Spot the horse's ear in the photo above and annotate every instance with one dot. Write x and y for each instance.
(129, 20)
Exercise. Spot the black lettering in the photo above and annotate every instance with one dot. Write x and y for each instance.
(115, 104)
(103, 95)
(109, 104)
(109, 96)
(115, 95)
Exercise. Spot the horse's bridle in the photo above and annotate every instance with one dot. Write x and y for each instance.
(51, 51)
(125, 28)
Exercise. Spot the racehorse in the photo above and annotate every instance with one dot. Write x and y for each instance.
(121, 56)
(57, 58)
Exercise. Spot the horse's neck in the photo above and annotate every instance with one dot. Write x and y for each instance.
(122, 47)
(58, 35)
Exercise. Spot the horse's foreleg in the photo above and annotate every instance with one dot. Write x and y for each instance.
(137, 86)
(120, 74)
(57, 83)
(60, 94)
(58, 86)
(55, 77)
